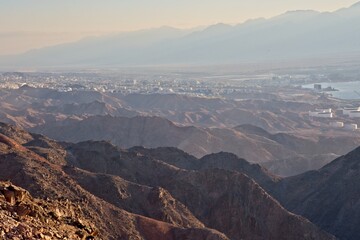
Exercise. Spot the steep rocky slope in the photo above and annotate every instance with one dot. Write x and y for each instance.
(222, 160)
(25, 217)
(48, 179)
(330, 197)
(227, 201)
(128, 195)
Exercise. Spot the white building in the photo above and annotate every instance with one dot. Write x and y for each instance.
(325, 115)
(324, 110)
(337, 124)
(354, 114)
(351, 126)
(347, 111)
(321, 114)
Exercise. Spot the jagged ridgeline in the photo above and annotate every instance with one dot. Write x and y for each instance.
(97, 190)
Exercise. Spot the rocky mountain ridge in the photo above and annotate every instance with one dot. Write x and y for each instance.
(152, 132)
(146, 198)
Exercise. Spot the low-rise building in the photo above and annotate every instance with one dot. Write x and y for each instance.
(347, 111)
(322, 113)
(337, 124)
(324, 110)
(354, 114)
(351, 126)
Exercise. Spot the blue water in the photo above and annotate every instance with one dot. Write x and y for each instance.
(347, 90)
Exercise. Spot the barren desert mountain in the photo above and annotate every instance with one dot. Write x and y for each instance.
(203, 192)
(128, 195)
(222, 160)
(300, 144)
(29, 107)
(328, 197)
(159, 132)
(290, 144)
(154, 202)
(259, 147)
(47, 179)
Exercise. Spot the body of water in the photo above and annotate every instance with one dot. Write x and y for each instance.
(347, 90)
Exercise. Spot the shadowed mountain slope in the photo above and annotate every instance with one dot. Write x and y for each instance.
(260, 147)
(330, 197)
(112, 187)
(47, 178)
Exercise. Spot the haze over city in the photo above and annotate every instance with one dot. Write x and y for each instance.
(174, 120)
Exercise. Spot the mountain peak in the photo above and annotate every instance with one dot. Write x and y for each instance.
(218, 27)
(300, 13)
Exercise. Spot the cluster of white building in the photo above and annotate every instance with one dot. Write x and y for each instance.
(328, 113)
(352, 112)
(346, 126)
(322, 113)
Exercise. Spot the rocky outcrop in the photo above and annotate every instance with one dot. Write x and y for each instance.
(25, 217)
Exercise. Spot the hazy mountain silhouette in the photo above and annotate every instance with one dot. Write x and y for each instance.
(294, 34)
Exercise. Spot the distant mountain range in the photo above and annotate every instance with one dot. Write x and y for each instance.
(275, 133)
(284, 154)
(292, 35)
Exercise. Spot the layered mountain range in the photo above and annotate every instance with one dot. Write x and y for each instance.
(284, 153)
(292, 35)
(28, 107)
(291, 144)
(133, 194)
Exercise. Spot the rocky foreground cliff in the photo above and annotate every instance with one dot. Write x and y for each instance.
(133, 195)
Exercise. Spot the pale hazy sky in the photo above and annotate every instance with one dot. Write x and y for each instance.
(25, 24)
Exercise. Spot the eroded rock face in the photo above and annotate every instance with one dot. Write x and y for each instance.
(13, 194)
(25, 217)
